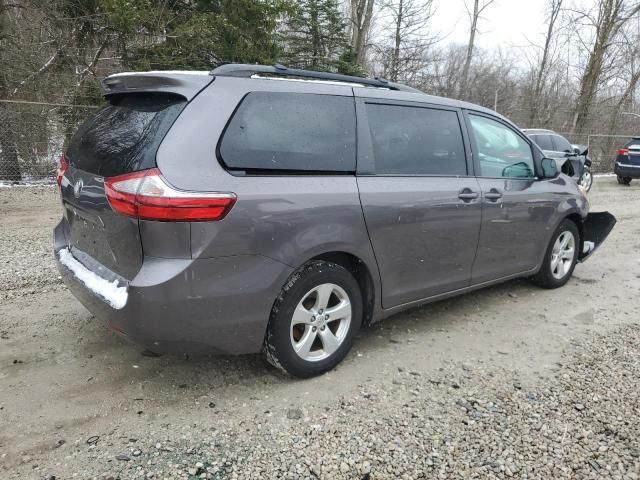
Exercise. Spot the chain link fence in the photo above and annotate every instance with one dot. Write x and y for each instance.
(33, 134)
(602, 148)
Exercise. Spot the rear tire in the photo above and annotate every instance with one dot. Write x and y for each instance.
(624, 180)
(314, 320)
(560, 258)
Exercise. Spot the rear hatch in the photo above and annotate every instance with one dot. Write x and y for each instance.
(634, 154)
(630, 153)
(122, 137)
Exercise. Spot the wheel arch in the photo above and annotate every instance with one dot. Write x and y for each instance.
(577, 219)
(361, 272)
(573, 216)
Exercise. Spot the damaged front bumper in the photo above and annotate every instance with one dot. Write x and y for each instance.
(595, 229)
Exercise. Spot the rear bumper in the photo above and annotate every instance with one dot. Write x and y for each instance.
(625, 170)
(595, 228)
(213, 305)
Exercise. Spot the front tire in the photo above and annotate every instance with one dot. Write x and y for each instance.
(586, 180)
(560, 258)
(624, 180)
(313, 320)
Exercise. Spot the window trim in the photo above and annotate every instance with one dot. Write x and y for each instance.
(527, 140)
(256, 172)
(366, 162)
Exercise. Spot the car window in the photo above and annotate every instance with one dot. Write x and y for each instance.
(543, 141)
(501, 151)
(561, 144)
(633, 142)
(416, 141)
(124, 135)
(291, 131)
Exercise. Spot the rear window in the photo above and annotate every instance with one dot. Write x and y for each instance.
(561, 144)
(291, 131)
(634, 142)
(124, 135)
(543, 141)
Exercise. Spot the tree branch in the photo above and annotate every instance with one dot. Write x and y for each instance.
(42, 69)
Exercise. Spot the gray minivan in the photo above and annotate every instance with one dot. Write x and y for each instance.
(264, 208)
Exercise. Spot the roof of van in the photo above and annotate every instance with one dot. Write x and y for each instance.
(189, 82)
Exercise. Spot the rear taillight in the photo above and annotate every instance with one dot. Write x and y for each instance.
(62, 168)
(623, 151)
(147, 195)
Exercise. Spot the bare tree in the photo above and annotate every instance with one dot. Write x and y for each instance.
(479, 6)
(542, 69)
(446, 71)
(608, 19)
(361, 15)
(404, 50)
(630, 74)
(9, 165)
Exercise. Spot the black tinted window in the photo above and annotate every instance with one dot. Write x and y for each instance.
(561, 144)
(543, 141)
(291, 131)
(416, 141)
(633, 142)
(124, 135)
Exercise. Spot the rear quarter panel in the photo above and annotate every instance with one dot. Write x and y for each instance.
(286, 218)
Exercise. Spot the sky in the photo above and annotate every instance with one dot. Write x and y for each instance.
(505, 22)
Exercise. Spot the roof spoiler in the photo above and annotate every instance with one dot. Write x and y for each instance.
(186, 84)
(248, 71)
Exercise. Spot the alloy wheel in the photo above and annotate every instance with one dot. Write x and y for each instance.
(562, 255)
(320, 322)
(586, 180)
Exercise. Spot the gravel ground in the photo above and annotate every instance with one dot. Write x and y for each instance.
(25, 240)
(511, 381)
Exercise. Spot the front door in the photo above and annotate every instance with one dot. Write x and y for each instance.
(420, 204)
(515, 209)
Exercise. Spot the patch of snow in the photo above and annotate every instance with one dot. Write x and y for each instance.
(308, 80)
(588, 246)
(110, 291)
(22, 184)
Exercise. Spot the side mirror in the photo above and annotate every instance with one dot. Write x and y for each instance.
(549, 168)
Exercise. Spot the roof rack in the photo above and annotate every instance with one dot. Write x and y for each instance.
(248, 71)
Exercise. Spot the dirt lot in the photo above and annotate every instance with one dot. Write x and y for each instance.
(509, 381)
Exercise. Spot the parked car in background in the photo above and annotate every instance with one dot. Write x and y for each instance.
(264, 208)
(555, 145)
(627, 166)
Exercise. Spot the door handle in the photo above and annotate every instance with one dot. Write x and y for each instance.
(467, 195)
(493, 195)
